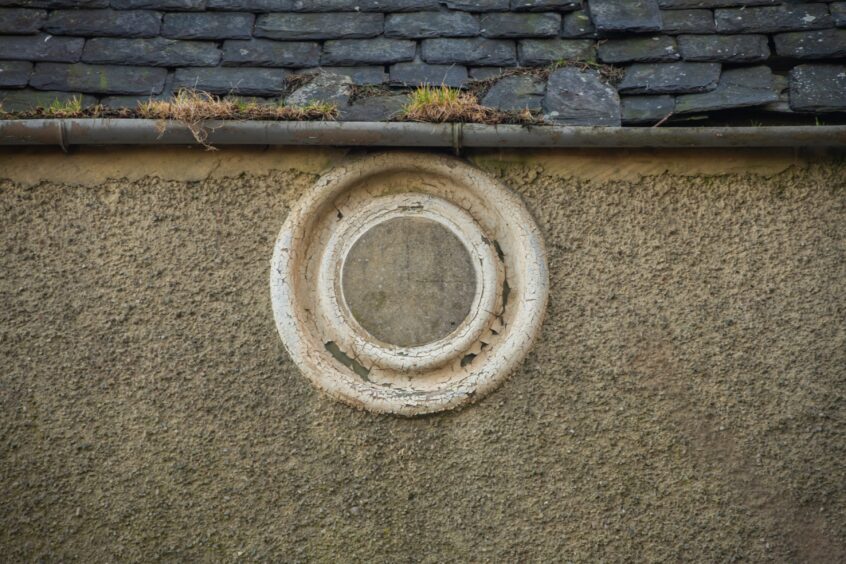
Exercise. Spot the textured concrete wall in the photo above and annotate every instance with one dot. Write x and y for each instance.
(685, 399)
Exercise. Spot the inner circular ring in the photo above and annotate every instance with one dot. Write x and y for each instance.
(343, 328)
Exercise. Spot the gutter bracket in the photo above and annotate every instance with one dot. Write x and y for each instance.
(63, 135)
(457, 137)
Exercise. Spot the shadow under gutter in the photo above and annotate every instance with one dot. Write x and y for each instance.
(87, 131)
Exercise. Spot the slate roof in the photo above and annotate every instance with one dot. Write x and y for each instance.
(676, 57)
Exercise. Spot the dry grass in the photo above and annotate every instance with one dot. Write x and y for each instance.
(441, 104)
(66, 109)
(193, 109)
(191, 106)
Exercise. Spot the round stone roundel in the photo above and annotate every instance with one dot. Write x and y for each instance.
(408, 283)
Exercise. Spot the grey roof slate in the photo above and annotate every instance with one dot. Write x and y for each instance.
(687, 55)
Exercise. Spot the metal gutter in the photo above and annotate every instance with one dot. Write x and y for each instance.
(69, 132)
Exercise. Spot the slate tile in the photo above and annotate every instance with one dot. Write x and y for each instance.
(818, 88)
(240, 81)
(516, 93)
(416, 74)
(55, 4)
(268, 53)
(360, 76)
(580, 98)
(41, 47)
(578, 24)
(421, 25)
(15, 74)
(738, 88)
(471, 51)
(543, 5)
(250, 5)
(98, 79)
(362, 5)
(724, 48)
(838, 13)
(640, 110)
(658, 48)
(828, 43)
(539, 52)
(508, 25)
(682, 4)
(688, 21)
(208, 25)
(484, 73)
(379, 51)
(625, 15)
(773, 19)
(340, 25)
(374, 108)
(29, 99)
(157, 51)
(104, 23)
(325, 88)
(21, 21)
(670, 78)
(479, 5)
(179, 5)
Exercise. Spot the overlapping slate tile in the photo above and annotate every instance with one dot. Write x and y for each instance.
(625, 15)
(297, 27)
(639, 110)
(417, 74)
(208, 25)
(422, 25)
(773, 19)
(818, 88)
(29, 99)
(737, 88)
(824, 44)
(233, 80)
(580, 97)
(15, 74)
(670, 78)
(540, 52)
(515, 93)
(655, 48)
(21, 21)
(98, 79)
(104, 23)
(724, 48)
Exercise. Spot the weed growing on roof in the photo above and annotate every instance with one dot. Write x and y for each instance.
(193, 109)
(442, 104)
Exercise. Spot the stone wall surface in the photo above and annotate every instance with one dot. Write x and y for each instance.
(685, 399)
(788, 54)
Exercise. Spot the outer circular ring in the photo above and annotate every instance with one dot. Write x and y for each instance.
(506, 226)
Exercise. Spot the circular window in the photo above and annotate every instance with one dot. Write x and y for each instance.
(408, 283)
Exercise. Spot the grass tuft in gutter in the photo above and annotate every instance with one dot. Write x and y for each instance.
(191, 108)
(441, 104)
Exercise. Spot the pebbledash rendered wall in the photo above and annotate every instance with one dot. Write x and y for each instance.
(684, 401)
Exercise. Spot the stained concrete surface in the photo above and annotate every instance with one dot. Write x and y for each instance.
(685, 400)
(409, 281)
